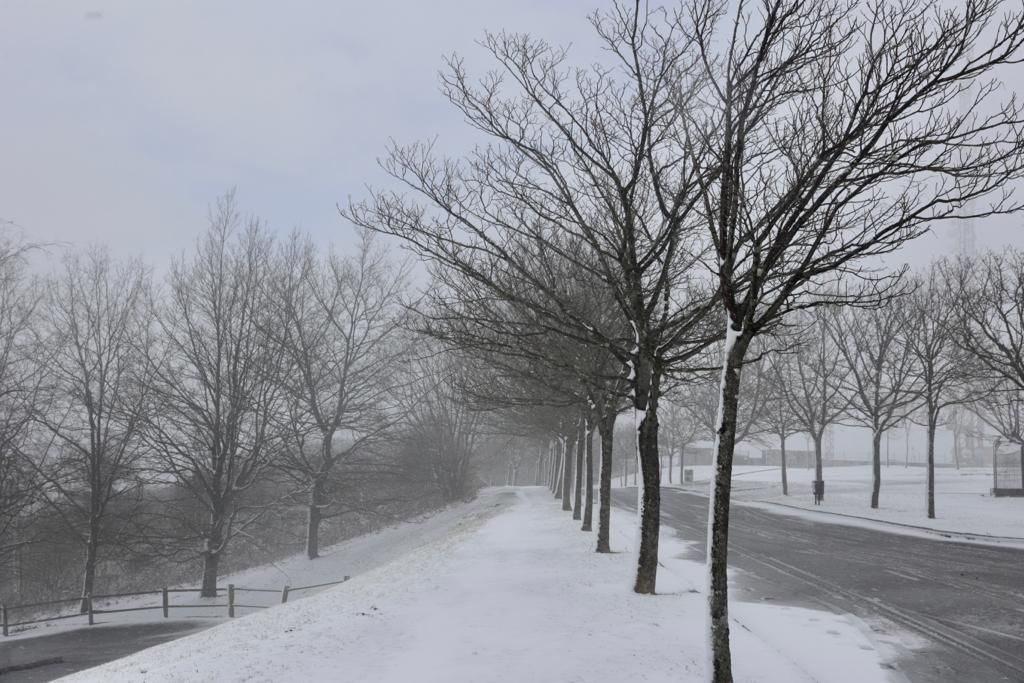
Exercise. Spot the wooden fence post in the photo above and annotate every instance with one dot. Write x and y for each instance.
(3, 618)
(165, 602)
(284, 596)
(231, 600)
(88, 603)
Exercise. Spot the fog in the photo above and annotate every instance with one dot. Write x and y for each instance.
(123, 121)
(511, 341)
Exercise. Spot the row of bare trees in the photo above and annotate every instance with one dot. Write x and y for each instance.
(170, 419)
(724, 168)
(950, 338)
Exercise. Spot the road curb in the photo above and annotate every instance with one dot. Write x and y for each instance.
(949, 535)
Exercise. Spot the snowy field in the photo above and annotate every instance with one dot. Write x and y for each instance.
(516, 596)
(963, 502)
(348, 558)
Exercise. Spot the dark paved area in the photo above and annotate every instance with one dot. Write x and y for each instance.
(966, 601)
(87, 647)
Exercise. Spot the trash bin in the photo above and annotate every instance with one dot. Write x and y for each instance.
(819, 491)
(687, 476)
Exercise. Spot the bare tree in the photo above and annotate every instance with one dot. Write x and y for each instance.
(19, 383)
(580, 169)
(680, 426)
(942, 365)
(878, 373)
(1002, 408)
(341, 323)
(810, 384)
(529, 365)
(580, 441)
(92, 338)
(990, 316)
(441, 427)
(702, 398)
(216, 380)
(778, 417)
(514, 457)
(829, 133)
(20, 487)
(990, 310)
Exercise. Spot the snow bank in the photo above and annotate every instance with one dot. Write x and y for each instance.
(964, 506)
(519, 596)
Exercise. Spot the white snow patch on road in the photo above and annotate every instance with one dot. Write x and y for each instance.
(519, 596)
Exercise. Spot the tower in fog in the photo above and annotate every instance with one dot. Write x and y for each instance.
(965, 238)
(969, 427)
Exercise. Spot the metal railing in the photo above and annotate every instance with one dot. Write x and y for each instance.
(90, 611)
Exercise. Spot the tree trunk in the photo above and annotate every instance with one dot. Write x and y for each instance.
(720, 655)
(932, 420)
(606, 429)
(649, 497)
(819, 470)
(646, 390)
(559, 470)
(670, 459)
(577, 505)
(995, 465)
(588, 494)
(213, 546)
(782, 459)
(566, 476)
(682, 458)
(547, 468)
(314, 516)
(956, 441)
(211, 561)
(552, 467)
(89, 571)
(906, 452)
(876, 466)
(540, 467)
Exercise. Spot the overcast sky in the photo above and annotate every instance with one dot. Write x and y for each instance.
(120, 121)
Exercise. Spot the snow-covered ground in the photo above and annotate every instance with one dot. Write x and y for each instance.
(517, 596)
(348, 558)
(963, 502)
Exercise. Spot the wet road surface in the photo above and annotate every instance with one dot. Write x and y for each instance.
(83, 648)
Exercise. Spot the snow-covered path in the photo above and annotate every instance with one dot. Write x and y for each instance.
(518, 596)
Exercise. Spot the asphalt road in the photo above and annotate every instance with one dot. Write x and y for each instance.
(83, 648)
(966, 601)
